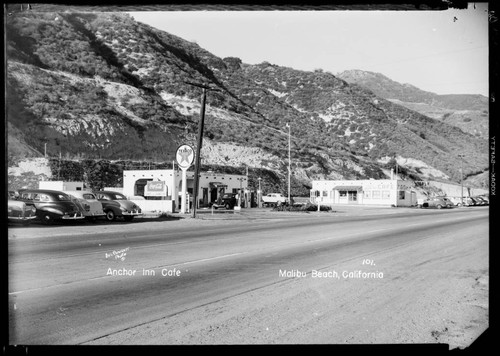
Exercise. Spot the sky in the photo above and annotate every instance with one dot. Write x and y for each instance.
(443, 52)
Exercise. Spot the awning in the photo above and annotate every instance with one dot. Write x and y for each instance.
(348, 187)
(217, 185)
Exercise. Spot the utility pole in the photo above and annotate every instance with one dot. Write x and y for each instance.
(289, 162)
(200, 140)
(461, 180)
(259, 194)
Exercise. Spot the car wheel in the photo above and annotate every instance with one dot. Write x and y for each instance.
(110, 215)
(419, 206)
(459, 205)
(439, 206)
(128, 218)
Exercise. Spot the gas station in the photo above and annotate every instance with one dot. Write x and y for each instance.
(170, 190)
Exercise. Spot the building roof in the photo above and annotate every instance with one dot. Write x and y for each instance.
(348, 187)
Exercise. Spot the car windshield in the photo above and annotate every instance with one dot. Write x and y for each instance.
(117, 196)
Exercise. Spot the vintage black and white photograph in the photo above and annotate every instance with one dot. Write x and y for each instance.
(238, 175)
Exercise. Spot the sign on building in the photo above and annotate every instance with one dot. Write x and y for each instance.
(155, 189)
(184, 156)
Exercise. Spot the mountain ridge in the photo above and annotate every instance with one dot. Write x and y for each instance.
(104, 86)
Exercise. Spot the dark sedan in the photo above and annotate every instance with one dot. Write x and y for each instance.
(116, 205)
(19, 211)
(51, 205)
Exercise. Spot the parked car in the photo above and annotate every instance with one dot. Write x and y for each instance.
(92, 208)
(51, 205)
(229, 200)
(117, 205)
(480, 200)
(449, 203)
(459, 201)
(273, 199)
(486, 198)
(434, 202)
(19, 211)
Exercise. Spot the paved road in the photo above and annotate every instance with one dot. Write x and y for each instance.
(283, 280)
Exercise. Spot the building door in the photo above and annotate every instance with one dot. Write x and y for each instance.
(213, 195)
(352, 197)
(205, 196)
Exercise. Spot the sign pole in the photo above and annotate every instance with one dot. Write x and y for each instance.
(185, 157)
(183, 191)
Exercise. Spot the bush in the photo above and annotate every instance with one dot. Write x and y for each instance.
(302, 207)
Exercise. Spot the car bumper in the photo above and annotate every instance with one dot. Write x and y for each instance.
(21, 218)
(95, 215)
(131, 213)
(73, 216)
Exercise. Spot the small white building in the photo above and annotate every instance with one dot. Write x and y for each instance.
(60, 185)
(390, 192)
(159, 190)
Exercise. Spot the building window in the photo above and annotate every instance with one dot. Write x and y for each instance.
(343, 194)
(386, 194)
(325, 193)
(376, 194)
(367, 194)
(401, 194)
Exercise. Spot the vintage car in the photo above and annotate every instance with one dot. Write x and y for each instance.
(448, 201)
(480, 200)
(434, 202)
(117, 205)
(227, 200)
(458, 201)
(273, 199)
(51, 205)
(92, 208)
(19, 211)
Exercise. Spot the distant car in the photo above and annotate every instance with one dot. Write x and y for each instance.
(92, 208)
(117, 205)
(229, 200)
(485, 198)
(51, 205)
(480, 200)
(458, 201)
(273, 199)
(434, 202)
(449, 202)
(19, 211)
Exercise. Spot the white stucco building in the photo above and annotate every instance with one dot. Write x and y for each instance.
(390, 192)
(159, 190)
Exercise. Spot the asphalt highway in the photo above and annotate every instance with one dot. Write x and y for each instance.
(163, 282)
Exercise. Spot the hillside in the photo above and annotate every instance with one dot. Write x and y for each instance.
(103, 86)
(467, 112)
